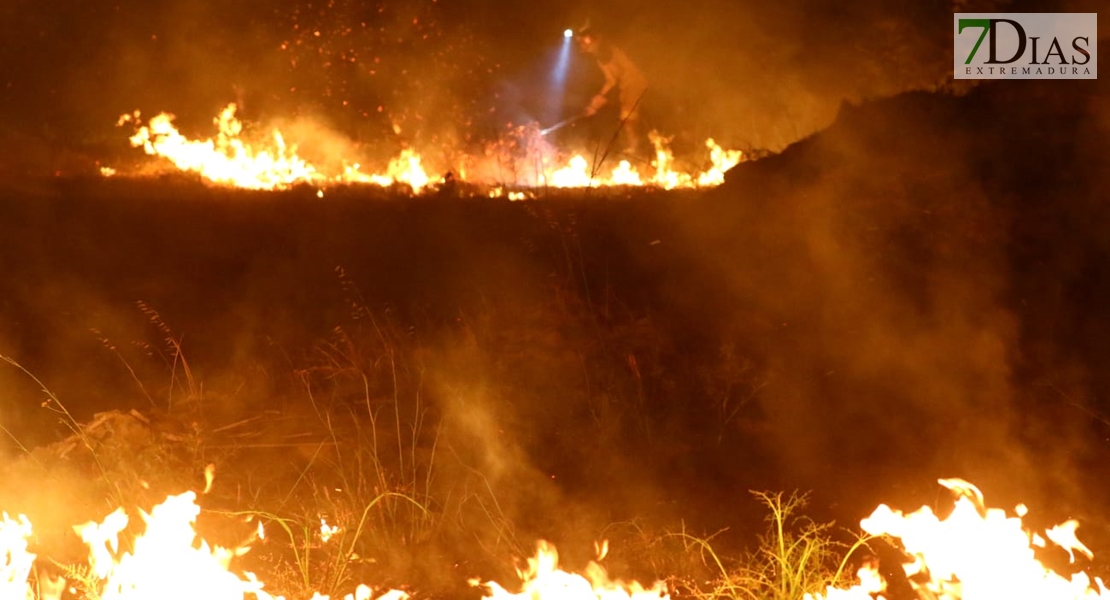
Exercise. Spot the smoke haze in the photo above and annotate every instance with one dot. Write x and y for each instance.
(912, 289)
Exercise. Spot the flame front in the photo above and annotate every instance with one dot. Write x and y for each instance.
(723, 160)
(168, 561)
(271, 163)
(17, 561)
(227, 159)
(230, 159)
(976, 553)
(542, 579)
(406, 169)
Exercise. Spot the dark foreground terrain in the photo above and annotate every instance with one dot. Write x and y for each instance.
(920, 291)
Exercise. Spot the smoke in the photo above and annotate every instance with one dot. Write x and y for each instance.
(447, 77)
(899, 286)
(887, 301)
(760, 75)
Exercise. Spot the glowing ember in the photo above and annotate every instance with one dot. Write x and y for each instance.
(327, 531)
(976, 553)
(542, 579)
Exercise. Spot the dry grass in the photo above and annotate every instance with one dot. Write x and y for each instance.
(356, 479)
(795, 556)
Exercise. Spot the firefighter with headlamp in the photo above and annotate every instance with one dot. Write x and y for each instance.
(623, 79)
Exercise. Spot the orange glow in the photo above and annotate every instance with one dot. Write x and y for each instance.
(233, 158)
(575, 174)
(722, 160)
(267, 164)
(976, 553)
(542, 579)
(17, 562)
(167, 561)
(327, 531)
(227, 158)
(405, 169)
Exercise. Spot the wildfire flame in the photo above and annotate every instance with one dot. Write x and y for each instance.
(228, 158)
(17, 561)
(975, 553)
(543, 579)
(168, 561)
(723, 160)
(231, 159)
(234, 159)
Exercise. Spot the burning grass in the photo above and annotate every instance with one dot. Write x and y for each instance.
(795, 558)
(240, 157)
(375, 498)
(975, 552)
(396, 457)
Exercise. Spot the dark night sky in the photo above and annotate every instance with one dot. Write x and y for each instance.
(751, 75)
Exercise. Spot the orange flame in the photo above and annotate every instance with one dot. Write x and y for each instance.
(976, 553)
(168, 561)
(16, 565)
(231, 159)
(542, 579)
(227, 159)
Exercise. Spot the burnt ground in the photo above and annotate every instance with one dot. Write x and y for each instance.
(919, 291)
